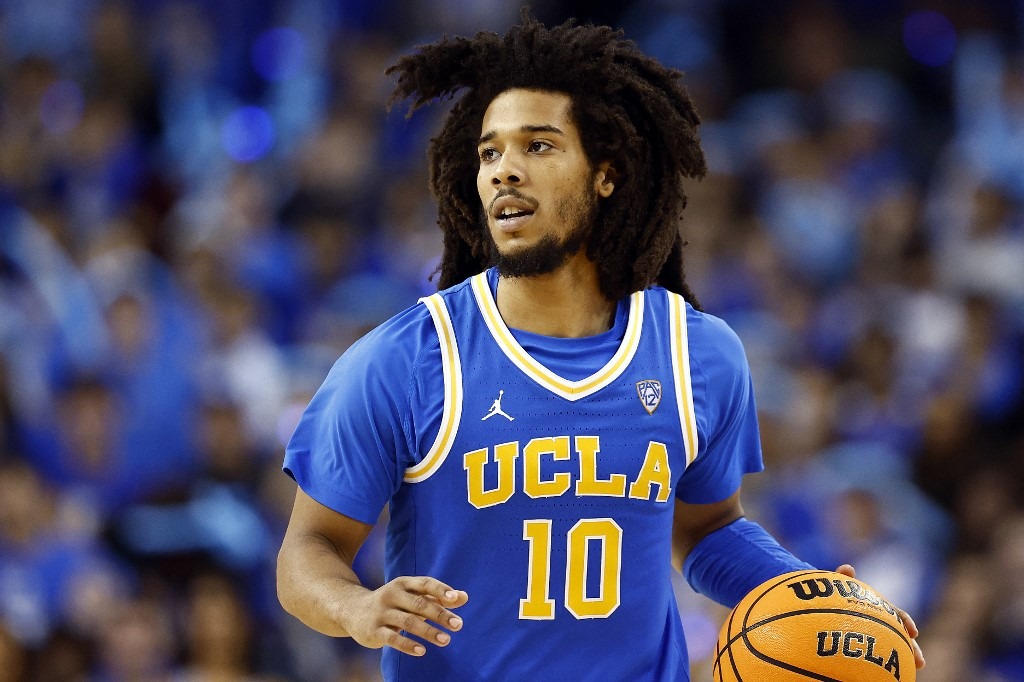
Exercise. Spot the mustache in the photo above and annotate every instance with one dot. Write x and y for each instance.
(511, 192)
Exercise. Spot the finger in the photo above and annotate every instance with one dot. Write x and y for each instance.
(427, 607)
(414, 624)
(456, 598)
(436, 590)
(431, 586)
(908, 622)
(911, 628)
(919, 661)
(847, 570)
(399, 642)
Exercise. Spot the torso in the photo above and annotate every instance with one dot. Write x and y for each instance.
(550, 501)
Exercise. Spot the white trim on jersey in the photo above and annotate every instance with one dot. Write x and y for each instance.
(681, 374)
(451, 415)
(570, 390)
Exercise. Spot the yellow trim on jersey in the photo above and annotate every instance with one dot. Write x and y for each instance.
(681, 374)
(570, 390)
(452, 413)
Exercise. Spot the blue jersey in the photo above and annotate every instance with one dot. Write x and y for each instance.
(538, 475)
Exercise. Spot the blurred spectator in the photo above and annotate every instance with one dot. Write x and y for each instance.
(220, 637)
(136, 642)
(57, 576)
(203, 204)
(13, 660)
(1006, 635)
(88, 449)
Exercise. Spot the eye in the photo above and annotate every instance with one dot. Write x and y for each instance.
(539, 146)
(488, 154)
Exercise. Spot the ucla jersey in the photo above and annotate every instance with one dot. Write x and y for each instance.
(548, 499)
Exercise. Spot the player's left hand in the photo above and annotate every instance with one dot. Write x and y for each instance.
(908, 622)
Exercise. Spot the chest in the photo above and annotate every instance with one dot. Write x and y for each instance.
(522, 440)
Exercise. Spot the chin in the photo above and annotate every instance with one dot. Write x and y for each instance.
(541, 257)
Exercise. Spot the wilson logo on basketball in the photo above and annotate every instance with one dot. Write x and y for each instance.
(821, 588)
(857, 645)
(814, 625)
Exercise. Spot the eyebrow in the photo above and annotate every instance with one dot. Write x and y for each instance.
(491, 134)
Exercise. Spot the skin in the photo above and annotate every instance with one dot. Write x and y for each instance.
(316, 584)
(528, 146)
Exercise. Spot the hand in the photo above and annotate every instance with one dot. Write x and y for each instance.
(908, 622)
(405, 603)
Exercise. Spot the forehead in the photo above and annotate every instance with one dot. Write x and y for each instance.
(513, 109)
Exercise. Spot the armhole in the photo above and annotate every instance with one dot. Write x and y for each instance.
(681, 374)
(451, 369)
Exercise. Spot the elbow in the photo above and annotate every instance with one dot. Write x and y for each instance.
(311, 602)
(284, 583)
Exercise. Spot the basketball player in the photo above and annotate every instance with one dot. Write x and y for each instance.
(560, 424)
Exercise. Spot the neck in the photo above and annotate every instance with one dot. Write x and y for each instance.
(567, 303)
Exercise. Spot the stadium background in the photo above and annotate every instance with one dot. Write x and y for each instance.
(203, 203)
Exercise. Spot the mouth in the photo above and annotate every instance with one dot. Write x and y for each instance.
(511, 212)
(509, 222)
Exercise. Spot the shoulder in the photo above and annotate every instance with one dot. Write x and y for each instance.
(720, 376)
(389, 350)
(711, 341)
(403, 343)
(409, 339)
(724, 409)
(458, 295)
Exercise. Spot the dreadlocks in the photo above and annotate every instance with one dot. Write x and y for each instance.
(628, 108)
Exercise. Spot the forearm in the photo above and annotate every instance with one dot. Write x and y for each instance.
(729, 562)
(316, 583)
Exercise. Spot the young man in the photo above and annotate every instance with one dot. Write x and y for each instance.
(561, 424)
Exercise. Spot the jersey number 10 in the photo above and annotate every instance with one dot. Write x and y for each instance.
(538, 604)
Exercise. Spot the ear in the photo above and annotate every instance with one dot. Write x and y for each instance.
(604, 179)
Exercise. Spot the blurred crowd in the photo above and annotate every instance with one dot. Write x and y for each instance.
(204, 202)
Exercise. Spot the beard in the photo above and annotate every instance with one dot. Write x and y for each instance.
(551, 252)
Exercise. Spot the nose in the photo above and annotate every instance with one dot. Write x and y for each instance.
(507, 171)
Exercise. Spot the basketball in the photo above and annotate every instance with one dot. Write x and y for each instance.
(813, 625)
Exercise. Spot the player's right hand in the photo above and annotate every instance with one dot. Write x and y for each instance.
(415, 605)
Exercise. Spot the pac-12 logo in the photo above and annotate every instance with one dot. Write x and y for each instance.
(649, 391)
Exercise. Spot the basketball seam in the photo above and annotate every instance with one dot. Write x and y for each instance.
(792, 668)
(732, 658)
(732, 616)
(845, 612)
(745, 629)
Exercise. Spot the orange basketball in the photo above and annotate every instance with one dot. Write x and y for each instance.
(814, 625)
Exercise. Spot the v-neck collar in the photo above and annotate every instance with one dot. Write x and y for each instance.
(570, 390)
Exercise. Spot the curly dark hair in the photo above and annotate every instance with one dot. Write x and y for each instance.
(628, 108)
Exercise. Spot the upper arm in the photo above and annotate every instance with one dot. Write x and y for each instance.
(691, 522)
(361, 430)
(311, 521)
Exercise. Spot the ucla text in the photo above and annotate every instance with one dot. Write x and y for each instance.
(519, 468)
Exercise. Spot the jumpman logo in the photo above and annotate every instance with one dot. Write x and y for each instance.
(496, 409)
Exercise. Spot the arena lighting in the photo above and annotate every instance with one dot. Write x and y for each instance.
(279, 53)
(248, 134)
(929, 37)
